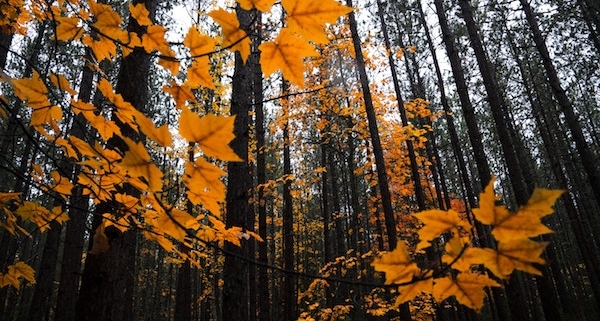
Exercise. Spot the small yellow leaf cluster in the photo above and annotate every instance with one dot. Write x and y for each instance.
(450, 235)
(16, 272)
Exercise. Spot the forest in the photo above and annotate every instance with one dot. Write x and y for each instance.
(310, 160)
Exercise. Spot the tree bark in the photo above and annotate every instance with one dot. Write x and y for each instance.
(235, 270)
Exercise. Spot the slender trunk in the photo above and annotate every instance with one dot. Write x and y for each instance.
(264, 312)
(288, 284)
(384, 190)
(589, 158)
(235, 270)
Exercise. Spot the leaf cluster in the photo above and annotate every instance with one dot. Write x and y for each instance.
(463, 267)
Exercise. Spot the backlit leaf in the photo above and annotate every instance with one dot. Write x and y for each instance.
(234, 38)
(140, 13)
(33, 90)
(204, 185)
(137, 162)
(525, 223)
(397, 265)
(181, 94)
(261, 5)
(437, 222)
(308, 17)
(410, 291)
(198, 74)
(468, 288)
(68, 28)
(198, 43)
(172, 224)
(287, 53)
(154, 39)
(212, 133)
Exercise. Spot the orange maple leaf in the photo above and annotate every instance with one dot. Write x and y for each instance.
(525, 223)
(397, 265)
(137, 162)
(181, 94)
(261, 5)
(468, 288)
(204, 185)
(308, 17)
(234, 38)
(437, 222)
(140, 14)
(171, 224)
(212, 133)
(286, 53)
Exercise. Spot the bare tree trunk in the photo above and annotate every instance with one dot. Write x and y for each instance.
(384, 190)
(235, 270)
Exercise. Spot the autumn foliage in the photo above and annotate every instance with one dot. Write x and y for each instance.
(447, 260)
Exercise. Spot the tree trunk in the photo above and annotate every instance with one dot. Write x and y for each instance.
(109, 277)
(235, 270)
(386, 200)
(589, 158)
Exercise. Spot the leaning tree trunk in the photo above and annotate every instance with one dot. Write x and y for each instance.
(518, 182)
(384, 190)
(589, 158)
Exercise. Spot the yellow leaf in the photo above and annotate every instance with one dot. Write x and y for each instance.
(46, 115)
(234, 38)
(212, 133)
(261, 5)
(106, 128)
(168, 61)
(519, 255)
(161, 134)
(437, 222)
(59, 215)
(397, 265)
(63, 185)
(468, 288)
(103, 49)
(198, 74)
(68, 28)
(108, 22)
(181, 94)
(526, 223)
(308, 17)
(172, 225)
(198, 43)
(204, 185)
(124, 110)
(140, 13)
(15, 272)
(138, 164)
(154, 39)
(62, 83)
(286, 53)
(32, 90)
(410, 291)
(161, 240)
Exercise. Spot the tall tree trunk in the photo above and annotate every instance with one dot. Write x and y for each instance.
(289, 281)
(109, 277)
(264, 310)
(386, 200)
(518, 181)
(235, 270)
(589, 158)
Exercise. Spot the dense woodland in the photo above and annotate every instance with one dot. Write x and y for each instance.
(300, 160)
